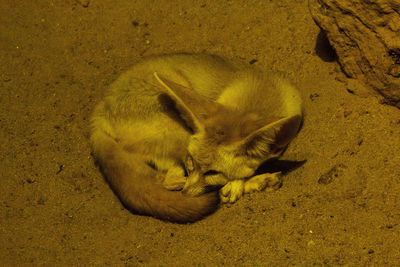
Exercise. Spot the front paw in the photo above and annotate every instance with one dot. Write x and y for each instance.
(232, 191)
(267, 181)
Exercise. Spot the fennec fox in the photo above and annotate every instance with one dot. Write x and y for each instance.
(185, 121)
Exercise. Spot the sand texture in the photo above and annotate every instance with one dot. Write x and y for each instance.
(341, 207)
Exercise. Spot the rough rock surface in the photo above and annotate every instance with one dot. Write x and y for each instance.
(366, 37)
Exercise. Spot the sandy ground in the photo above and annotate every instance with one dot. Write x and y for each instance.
(57, 58)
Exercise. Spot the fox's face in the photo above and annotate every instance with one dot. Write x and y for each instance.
(233, 147)
(220, 147)
(226, 144)
(215, 158)
(229, 162)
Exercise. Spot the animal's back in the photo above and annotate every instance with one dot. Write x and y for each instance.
(232, 84)
(267, 94)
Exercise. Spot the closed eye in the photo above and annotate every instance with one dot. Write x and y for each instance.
(211, 172)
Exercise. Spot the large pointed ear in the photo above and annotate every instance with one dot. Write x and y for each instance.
(185, 100)
(272, 138)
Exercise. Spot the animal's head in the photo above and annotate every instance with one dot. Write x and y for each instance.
(227, 144)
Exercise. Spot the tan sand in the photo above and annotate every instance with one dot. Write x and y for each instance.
(58, 57)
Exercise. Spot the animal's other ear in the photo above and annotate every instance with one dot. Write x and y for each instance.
(191, 106)
(272, 138)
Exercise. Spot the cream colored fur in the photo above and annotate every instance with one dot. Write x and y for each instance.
(173, 125)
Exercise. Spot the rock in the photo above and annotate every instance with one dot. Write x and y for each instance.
(366, 38)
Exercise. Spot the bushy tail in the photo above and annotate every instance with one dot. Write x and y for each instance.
(138, 188)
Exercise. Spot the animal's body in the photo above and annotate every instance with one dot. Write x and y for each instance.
(188, 121)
